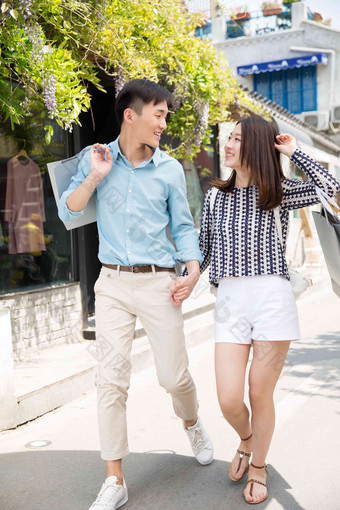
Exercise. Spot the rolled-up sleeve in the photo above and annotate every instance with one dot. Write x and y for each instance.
(182, 226)
(64, 213)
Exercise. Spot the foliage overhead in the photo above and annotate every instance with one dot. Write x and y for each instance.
(50, 51)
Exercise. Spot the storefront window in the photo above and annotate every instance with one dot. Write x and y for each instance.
(35, 247)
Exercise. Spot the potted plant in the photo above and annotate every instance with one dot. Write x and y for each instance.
(240, 13)
(234, 30)
(317, 16)
(288, 2)
(272, 7)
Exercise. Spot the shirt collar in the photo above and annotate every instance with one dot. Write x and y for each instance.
(116, 152)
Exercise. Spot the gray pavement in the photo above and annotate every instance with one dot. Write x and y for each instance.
(161, 471)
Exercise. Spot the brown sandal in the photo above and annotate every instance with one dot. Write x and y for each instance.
(252, 481)
(242, 455)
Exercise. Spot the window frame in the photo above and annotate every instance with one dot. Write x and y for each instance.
(285, 90)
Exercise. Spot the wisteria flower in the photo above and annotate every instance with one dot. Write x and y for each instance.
(49, 90)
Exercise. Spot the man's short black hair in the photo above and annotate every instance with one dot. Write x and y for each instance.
(137, 93)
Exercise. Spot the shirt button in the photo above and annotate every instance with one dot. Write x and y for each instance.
(130, 190)
(132, 171)
(129, 252)
(127, 210)
(127, 230)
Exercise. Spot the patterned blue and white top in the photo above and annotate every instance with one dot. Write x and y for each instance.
(241, 239)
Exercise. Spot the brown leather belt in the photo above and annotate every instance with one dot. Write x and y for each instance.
(139, 269)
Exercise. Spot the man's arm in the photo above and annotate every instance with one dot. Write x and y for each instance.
(99, 168)
(184, 234)
(77, 200)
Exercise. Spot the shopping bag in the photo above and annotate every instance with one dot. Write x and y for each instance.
(329, 235)
(61, 173)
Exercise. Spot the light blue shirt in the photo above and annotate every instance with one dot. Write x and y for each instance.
(134, 207)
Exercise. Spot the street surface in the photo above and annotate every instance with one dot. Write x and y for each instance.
(161, 472)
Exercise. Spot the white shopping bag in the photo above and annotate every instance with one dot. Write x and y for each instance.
(61, 173)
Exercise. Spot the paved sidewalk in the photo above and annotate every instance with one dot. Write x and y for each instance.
(161, 472)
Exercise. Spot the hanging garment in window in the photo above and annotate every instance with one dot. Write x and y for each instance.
(24, 209)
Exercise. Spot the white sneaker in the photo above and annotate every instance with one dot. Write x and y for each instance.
(200, 443)
(111, 495)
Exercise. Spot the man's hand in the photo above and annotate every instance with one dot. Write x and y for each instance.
(182, 287)
(286, 144)
(100, 166)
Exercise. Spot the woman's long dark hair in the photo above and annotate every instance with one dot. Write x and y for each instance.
(258, 153)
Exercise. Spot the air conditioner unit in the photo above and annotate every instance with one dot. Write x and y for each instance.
(336, 114)
(320, 119)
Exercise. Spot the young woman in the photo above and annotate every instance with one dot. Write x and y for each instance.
(255, 304)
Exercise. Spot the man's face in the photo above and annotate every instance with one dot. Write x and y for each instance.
(149, 125)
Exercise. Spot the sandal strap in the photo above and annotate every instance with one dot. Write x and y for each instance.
(242, 455)
(245, 454)
(246, 439)
(252, 480)
(259, 467)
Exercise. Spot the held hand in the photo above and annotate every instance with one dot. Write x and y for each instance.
(182, 287)
(286, 144)
(100, 166)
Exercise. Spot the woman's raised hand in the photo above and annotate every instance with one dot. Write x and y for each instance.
(286, 144)
(100, 165)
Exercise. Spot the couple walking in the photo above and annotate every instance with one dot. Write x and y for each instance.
(239, 241)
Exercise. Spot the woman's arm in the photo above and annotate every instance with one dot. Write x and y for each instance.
(179, 288)
(206, 232)
(296, 193)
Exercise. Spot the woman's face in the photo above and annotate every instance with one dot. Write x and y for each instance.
(232, 148)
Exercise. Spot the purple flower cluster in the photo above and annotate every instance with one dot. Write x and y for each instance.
(49, 90)
(202, 110)
(34, 32)
(119, 81)
(46, 49)
(25, 8)
(35, 35)
(177, 99)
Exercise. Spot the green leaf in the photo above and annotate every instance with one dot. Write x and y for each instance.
(48, 138)
(4, 7)
(49, 129)
(14, 14)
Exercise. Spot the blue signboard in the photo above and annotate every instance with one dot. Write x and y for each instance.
(287, 63)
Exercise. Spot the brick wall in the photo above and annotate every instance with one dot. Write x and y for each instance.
(43, 318)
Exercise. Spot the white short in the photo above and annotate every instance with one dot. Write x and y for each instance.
(259, 307)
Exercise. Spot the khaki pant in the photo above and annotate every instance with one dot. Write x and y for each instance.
(120, 298)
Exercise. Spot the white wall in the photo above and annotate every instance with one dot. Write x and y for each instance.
(320, 36)
(43, 318)
(8, 402)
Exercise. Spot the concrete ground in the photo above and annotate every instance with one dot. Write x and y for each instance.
(160, 471)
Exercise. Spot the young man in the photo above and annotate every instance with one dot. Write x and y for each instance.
(139, 191)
